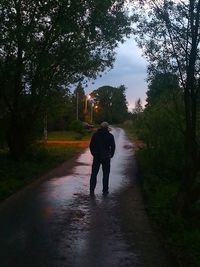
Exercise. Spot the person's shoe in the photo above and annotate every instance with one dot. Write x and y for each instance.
(105, 193)
(91, 193)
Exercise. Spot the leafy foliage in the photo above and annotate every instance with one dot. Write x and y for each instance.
(160, 126)
(112, 104)
(48, 44)
(168, 32)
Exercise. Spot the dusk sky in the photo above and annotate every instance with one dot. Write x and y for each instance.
(129, 69)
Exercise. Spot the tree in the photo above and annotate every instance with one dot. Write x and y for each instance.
(47, 44)
(165, 109)
(103, 97)
(56, 106)
(160, 127)
(119, 108)
(79, 102)
(169, 35)
(161, 83)
(138, 107)
(112, 103)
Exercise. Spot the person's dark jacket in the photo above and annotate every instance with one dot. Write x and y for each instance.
(102, 144)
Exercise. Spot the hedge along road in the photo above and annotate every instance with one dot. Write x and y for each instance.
(55, 223)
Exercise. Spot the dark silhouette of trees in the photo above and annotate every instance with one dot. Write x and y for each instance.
(169, 34)
(112, 104)
(45, 45)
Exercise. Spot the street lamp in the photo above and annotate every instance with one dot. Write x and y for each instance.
(92, 106)
(96, 108)
(86, 100)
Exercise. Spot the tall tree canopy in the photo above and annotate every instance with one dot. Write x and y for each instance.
(169, 33)
(162, 83)
(45, 44)
(112, 104)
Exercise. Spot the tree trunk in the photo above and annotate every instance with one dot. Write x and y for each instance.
(20, 133)
(189, 175)
(190, 99)
(191, 153)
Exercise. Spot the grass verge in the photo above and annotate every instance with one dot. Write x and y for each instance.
(14, 175)
(181, 235)
(68, 136)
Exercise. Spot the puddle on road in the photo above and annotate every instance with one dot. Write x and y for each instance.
(94, 237)
(57, 224)
(89, 235)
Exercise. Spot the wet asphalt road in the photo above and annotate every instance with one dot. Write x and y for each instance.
(57, 224)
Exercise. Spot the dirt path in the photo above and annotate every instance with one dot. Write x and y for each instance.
(55, 223)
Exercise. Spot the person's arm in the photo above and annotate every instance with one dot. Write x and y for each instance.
(112, 146)
(92, 145)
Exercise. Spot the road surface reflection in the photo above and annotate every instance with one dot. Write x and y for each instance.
(58, 224)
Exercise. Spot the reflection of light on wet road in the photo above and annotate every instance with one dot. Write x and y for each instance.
(94, 237)
(63, 227)
(64, 187)
(61, 191)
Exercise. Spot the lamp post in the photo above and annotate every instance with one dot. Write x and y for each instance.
(92, 105)
(86, 100)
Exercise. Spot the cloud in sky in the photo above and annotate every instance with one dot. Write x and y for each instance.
(129, 69)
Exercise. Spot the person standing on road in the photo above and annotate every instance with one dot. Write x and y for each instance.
(102, 148)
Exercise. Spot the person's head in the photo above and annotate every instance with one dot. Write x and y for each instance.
(105, 125)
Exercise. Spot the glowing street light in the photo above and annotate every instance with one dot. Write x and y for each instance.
(92, 106)
(88, 97)
(96, 108)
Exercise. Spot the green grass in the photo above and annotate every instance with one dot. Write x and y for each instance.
(160, 185)
(14, 175)
(182, 235)
(68, 136)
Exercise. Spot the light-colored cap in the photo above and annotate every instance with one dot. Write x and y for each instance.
(104, 124)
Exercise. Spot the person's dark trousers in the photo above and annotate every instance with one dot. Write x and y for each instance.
(95, 169)
(106, 172)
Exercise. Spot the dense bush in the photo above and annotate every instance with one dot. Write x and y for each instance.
(161, 127)
(78, 127)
